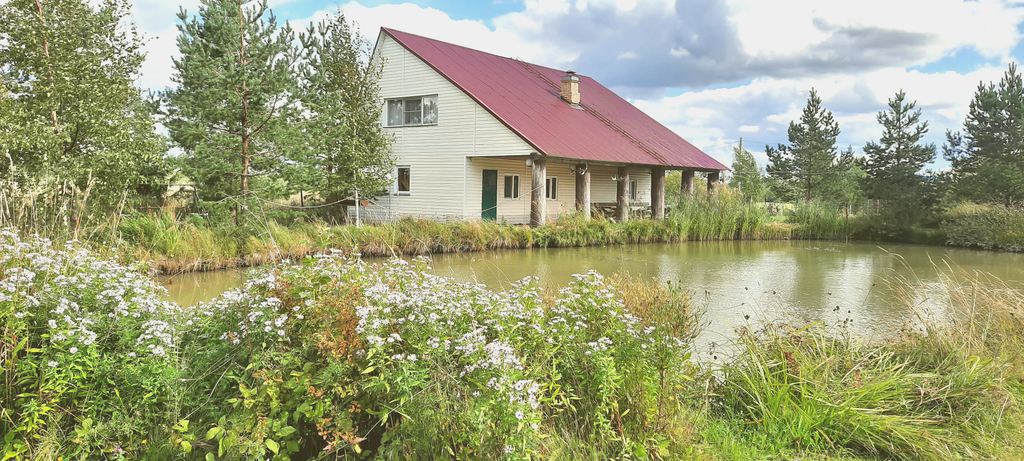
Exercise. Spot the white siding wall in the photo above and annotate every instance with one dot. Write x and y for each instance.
(437, 155)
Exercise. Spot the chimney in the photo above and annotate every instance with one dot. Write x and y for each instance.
(570, 88)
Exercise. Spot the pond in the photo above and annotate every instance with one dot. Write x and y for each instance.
(795, 281)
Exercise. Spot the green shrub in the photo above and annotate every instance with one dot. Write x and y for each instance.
(991, 227)
(87, 348)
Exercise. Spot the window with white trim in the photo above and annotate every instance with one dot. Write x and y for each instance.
(403, 181)
(632, 190)
(412, 111)
(551, 191)
(511, 186)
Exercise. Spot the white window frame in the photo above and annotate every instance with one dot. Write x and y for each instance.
(634, 190)
(396, 186)
(515, 187)
(423, 106)
(551, 188)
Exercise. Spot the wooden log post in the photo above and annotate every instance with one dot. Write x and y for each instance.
(538, 195)
(686, 185)
(713, 177)
(583, 190)
(658, 193)
(622, 192)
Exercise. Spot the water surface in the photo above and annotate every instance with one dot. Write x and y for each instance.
(795, 281)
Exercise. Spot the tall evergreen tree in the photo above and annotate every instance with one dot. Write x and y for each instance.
(894, 164)
(988, 157)
(236, 108)
(350, 147)
(71, 118)
(746, 175)
(810, 162)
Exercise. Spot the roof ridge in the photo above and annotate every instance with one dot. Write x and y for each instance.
(529, 68)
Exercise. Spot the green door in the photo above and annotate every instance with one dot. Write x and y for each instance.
(489, 202)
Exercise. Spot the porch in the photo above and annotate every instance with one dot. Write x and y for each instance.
(534, 190)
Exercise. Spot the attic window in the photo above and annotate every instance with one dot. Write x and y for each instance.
(412, 111)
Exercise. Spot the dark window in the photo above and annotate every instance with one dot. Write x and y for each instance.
(512, 186)
(403, 179)
(552, 189)
(632, 191)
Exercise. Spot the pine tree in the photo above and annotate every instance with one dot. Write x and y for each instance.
(349, 145)
(810, 161)
(894, 164)
(746, 175)
(71, 118)
(988, 157)
(236, 110)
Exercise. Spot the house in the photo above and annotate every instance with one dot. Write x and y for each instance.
(479, 136)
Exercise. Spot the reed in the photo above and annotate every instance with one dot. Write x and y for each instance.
(819, 221)
(948, 387)
(172, 245)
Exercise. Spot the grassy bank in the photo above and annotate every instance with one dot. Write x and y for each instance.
(336, 359)
(174, 246)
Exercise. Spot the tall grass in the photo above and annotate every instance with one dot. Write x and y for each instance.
(949, 387)
(819, 221)
(173, 245)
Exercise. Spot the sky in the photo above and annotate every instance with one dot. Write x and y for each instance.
(714, 71)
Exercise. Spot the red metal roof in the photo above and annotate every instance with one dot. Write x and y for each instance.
(525, 98)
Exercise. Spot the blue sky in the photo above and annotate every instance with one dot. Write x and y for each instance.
(712, 70)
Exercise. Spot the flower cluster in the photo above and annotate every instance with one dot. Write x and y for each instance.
(71, 298)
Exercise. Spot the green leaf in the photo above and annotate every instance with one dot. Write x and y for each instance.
(186, 446)
(273, 446)
(210, 457)
(368, 370)
(213, 432)
(285, 432)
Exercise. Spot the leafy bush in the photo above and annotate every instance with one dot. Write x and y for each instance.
(992, 227)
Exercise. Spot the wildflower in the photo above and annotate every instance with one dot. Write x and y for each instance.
(74, 350)
(519, 414)
(509, 449)
(52, 363)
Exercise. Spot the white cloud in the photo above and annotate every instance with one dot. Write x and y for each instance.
(436, 24)
(761, 111)
(627, 55)
(770, 30)
(679, 52)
